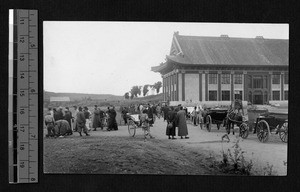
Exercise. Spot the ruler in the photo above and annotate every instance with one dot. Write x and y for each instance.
(24, 137)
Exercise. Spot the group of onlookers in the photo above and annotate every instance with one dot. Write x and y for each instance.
(61, 122)
(197, 115)
(176, 117)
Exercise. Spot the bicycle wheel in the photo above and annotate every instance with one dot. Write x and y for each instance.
(131, 128)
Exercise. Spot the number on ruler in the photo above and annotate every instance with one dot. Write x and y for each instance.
(22, 75)
(22, 57)
(22, 21)
(22, 93)
(22, 164)
(32, 90)
(22, 40)
(22, 128)
(22, 111)
(22, 147)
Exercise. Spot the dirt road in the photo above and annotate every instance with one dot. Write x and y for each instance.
(116, 152)
(274, 152)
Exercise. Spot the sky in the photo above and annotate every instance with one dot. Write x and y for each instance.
(111, 57)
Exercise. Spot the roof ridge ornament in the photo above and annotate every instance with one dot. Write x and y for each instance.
(177, 43)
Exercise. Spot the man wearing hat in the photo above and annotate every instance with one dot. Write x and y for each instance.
(80, 122)
(68, 116)
(96, 118)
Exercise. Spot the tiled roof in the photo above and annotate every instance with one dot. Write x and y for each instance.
(231, 51)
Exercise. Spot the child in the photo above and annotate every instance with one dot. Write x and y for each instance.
(145, 124)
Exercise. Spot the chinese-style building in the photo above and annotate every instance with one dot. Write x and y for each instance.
(224, 68)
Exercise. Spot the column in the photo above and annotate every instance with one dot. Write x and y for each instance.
(270, 86)
(173, 79)
(206, 86)
(164, 85)
(282, 86)
(245, 90)
(177, 86)
(200, 85)
(232, 85)
(183, 86)
(171, 87)
(219, 86)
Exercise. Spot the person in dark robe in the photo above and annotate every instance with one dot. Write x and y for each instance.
(102, 118)
(55, 115)
(60, 114)
(171, 118)
(165, 112)
(68, 117)
(181, 123)
(124, 115)
(154, 110)
(108, 115)
(150, 115)
(80, 121)
(96, 119)
(112, 124)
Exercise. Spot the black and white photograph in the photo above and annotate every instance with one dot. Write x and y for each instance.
(165, 98)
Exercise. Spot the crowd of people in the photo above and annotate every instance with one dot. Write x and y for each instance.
(61, 122)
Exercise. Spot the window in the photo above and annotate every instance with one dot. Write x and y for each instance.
(276, 95)
(225, 78)
(238, 79)
(286, 95)
(286, 78)
(225, 95)
(212, 95)
(249, 81)
(266, 97)
(212, 78)
(265, 82)
(276, 79)
(250, 96)
(257, 82)
(238, 95)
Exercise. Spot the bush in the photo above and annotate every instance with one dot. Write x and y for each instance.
(268, 170)
(234, 161)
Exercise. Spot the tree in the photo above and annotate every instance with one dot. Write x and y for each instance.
(135, 91)
(145, 90)
(157, 86)
(126, 95)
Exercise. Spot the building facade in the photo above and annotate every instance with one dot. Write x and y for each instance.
(224, 69)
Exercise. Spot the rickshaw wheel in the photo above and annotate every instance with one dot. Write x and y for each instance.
(244, 130)
(283, 132)
(208, 123)
(131, 128)
(263, 131)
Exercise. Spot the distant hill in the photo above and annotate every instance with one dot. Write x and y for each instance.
(82, 96)
(82, 99)
(107, 97)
